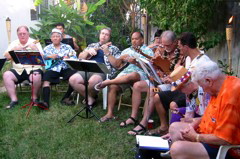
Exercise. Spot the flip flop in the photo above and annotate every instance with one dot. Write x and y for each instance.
(105, 119)
(135, 122)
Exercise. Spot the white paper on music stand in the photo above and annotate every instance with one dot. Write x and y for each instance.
(152, 142)
(148, 69)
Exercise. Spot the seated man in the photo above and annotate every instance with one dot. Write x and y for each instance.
(61, 27)
(219, 121)
(128, 76)
(172, 99)
(19, 72)
(102, 52)
(171, 53)
(55, 66)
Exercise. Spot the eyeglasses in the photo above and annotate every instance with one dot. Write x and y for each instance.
(21, 34)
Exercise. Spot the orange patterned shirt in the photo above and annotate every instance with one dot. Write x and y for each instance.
(222, 116)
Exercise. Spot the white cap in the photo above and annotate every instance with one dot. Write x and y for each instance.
(56, 31)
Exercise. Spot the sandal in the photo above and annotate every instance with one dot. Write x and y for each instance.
(11, 105)
(157, 132)
(105, 119)
(67, 102)
(135, 122)
(140, 131)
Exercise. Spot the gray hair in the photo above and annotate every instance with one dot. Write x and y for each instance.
(23, 26)
(208, 69)
(109, 29)
(169, 35)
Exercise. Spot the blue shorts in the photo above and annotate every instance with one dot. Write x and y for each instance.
(212, 151)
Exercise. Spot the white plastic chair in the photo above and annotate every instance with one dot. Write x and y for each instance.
(224, 149)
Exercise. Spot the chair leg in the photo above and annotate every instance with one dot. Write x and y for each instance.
(120, 101)
(105, 97)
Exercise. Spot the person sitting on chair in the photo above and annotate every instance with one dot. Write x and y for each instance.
(219, 121)
(55, 65)
(99, 52)
(20, 72)
(131, 74)
(61, 27)
(168, 48)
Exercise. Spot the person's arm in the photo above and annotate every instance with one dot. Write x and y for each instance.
(190, 134)
(76, 47)
(87, 53)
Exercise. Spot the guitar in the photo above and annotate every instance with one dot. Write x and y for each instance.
(53, 62)
(162, 64)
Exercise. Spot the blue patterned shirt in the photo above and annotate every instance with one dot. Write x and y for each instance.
(133, 68)
(58, 64)
(114, 51)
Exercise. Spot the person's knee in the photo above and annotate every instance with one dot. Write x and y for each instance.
(174, 127)
(7, 75)
(138, 86)
(173, 105)
(75, 79)
(46, 84)
(176, 149)
(36, 77)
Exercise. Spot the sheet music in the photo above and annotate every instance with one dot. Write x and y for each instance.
(152, 142)
(148, 69)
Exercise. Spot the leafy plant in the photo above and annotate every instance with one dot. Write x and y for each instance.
(225, 68)
(194, 16)
(75, 24)
(113, 15)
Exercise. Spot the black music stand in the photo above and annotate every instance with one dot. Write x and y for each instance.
(2, 61)
(86, 66)
(29, 58)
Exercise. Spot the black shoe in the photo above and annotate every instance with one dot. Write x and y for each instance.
(12, 105)
(43, 105)
(67, 102)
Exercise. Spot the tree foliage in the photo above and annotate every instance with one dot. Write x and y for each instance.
(75, 24)
(195, 16)
(113, 15)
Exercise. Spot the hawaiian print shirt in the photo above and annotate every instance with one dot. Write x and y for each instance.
(197, 102)
(114, 51)
(133, 68)
(58, 64)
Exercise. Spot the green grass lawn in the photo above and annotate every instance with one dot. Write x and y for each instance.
(46, 134)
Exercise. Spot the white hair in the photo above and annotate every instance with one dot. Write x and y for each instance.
(208, 69)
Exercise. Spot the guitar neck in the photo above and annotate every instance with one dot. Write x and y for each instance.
(143, 54)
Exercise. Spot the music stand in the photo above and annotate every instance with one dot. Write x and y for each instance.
(29, 58)
(2, 61)
(86, 66)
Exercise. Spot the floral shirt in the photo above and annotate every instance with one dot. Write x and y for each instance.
(58, 64)
(197, 102)
(133, 68)
(114, 51)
